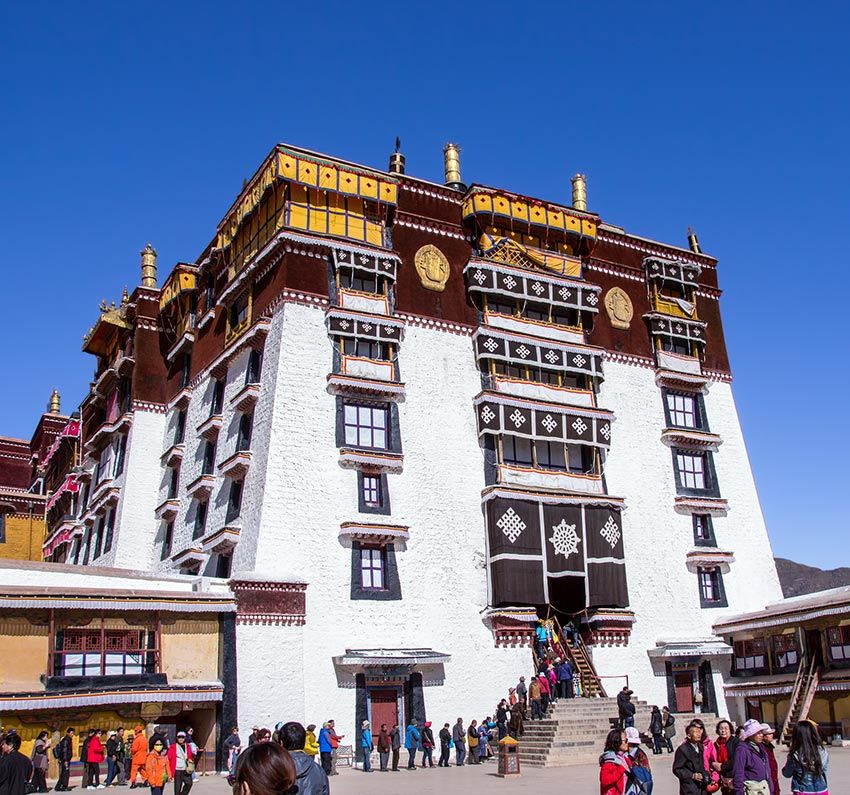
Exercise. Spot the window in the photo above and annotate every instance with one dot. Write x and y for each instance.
(120, 454)
(102, 652)
(366, 426)
(703, 530)
(223, 565)
(255, 367)
(501, 308)
(709, 585)
(785, 652)
(243, 438)
(200, 519)
(98, 538)
(209, 296)
(208, 467)
(173, 483)
(124, 396)
(510, 370)
(234, 501)
(372, 568)
(2, 526)
(676, 345)
(217, 397)
(582, 460)
(372, 490)
(180, 427)
(691, 469)
(516, 450)
(562, 316)
(75, 552)
(366, 349)
(551, 455)
(87, 542)
(365, 283)
(838, 639)
(167, 540)
(239, 311)
(682, 410)
(186, 370)
(110, 530)
(750, 655)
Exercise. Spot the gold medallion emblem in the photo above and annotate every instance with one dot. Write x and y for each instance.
(432, 267)
(619, 307)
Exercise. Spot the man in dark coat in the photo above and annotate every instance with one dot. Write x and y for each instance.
(15, 768)
(689, 763)
(395, 741)
(626, 708)
(64, 754)
(310, 778)
(385, 745)
(445, 745)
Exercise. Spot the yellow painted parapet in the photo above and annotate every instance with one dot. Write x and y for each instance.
(675, 308)
(509, 250)
(489, 206)
(182, 280)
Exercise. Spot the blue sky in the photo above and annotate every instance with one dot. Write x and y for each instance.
(123, 125)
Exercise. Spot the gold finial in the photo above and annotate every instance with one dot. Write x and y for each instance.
(103, 307)
(148, 266)
(693, 241)
(125, 297)
(451, 157)
(580, 192)
(55, 406)
(397, 159)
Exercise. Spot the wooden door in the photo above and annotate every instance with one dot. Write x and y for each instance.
(684, 687)
(815, 646)
(383, 703)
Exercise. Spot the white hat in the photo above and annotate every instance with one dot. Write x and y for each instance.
(765, 727)
(632, 735)
(751, 728)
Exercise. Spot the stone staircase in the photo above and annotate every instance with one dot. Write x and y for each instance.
(574, 731)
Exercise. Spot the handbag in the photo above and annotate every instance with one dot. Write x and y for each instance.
(756, 788)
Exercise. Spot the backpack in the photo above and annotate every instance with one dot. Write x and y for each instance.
(56, 752)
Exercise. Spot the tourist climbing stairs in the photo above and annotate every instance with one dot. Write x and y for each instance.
(574, 731)
(579, 657)
(805, 687)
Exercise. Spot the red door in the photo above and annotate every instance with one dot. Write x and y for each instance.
(684, 686)
(384, 707)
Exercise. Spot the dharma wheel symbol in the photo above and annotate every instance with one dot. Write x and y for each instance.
(432, 267)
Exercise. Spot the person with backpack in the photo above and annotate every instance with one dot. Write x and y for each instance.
(808, 760)
(40, 761)
(669, 728)
(427, 738)
(615, 765)
(656, 729)
(641, 771)
(64, 753)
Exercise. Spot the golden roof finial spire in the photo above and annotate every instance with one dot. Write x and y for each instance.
(125, 297)
(580, 192)
(451, 157)
(55, 405)
(693, 241)
(148, 266)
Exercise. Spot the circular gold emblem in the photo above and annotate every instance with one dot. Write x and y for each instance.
(432, 267)
(619, 307)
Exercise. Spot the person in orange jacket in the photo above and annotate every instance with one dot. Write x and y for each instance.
(138, 756)
(156, 768)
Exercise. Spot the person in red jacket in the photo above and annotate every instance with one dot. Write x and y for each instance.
(545, 691)
(615, 764)
(95, 753)
(181, 764)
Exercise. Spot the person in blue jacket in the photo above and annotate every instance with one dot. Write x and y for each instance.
(366, 742)
(325, 748)
(411, 742)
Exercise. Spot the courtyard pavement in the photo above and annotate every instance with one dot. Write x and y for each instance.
(574, 780)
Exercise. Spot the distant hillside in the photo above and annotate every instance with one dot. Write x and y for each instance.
(797, 579)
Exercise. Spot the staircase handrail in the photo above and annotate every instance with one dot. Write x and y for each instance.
(581, 645)
(811, 689)
(795, 694)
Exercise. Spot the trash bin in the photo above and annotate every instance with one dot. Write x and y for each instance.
(508, 756)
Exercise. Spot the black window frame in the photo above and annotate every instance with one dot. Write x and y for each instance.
(120, 455)
(224, 564)
(362, 429)
(173, 483)
(244, 432)
(254, 370)
(383, 507)
(718, 587)
(110, 530)
(167, 540)
(701, 417)
(234, 500)
(746, 654)
(180, 426)
(208, 461)
(185, 370)
(706, 538)
(199, 526)
(217, 404)
(3, 525)
(392, 584)
(711, 489)
(510, 451)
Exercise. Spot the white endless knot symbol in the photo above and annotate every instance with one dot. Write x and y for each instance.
(522, 351)
(516, 418)
(487, 414)
(605, 432)
(343, 324)
(592, 299)
(679, 327)
(341, 256)
(548, 423)
(479, 277)
(564, 293)
(695, 332)
(610, 532)
(537, 287)
(579, 360)
(579, 426)
(552, 357)
(490, 344)
(367, 327)
(655, 266)
(510, 282)
(511, 525)
(564, 539)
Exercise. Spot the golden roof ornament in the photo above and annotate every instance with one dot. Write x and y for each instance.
(693, 241)
(55, 405)
(103, 307)
(451, 159)
(148, 266)
(579, 182)
(125, 297)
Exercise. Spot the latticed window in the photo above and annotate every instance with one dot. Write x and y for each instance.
(839, 643)
(691, 470)
(109, 652)
(683, 410)
(785, 650)
(366, 426)
(750, 655)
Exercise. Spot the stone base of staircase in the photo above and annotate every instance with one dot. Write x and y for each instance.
(574, 731)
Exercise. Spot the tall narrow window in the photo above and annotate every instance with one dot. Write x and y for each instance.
(372, 568)
(372, 490)
(691, 468)
(366, 426)
(243, 438)
(217, 397)
(703, 530)
(120, 453)
(223, 565)
(683, 410)
(239, 311)
(234, 501)
(180, 427)
(711, 587)
(98, 538)
(186, 370)
(581, 459)
(110, 530)
(255, 367)
(167, 540)
(516, 451)
(87, 543)
(200, 519)
(173, 483)
(208, 466)
(2, 526)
